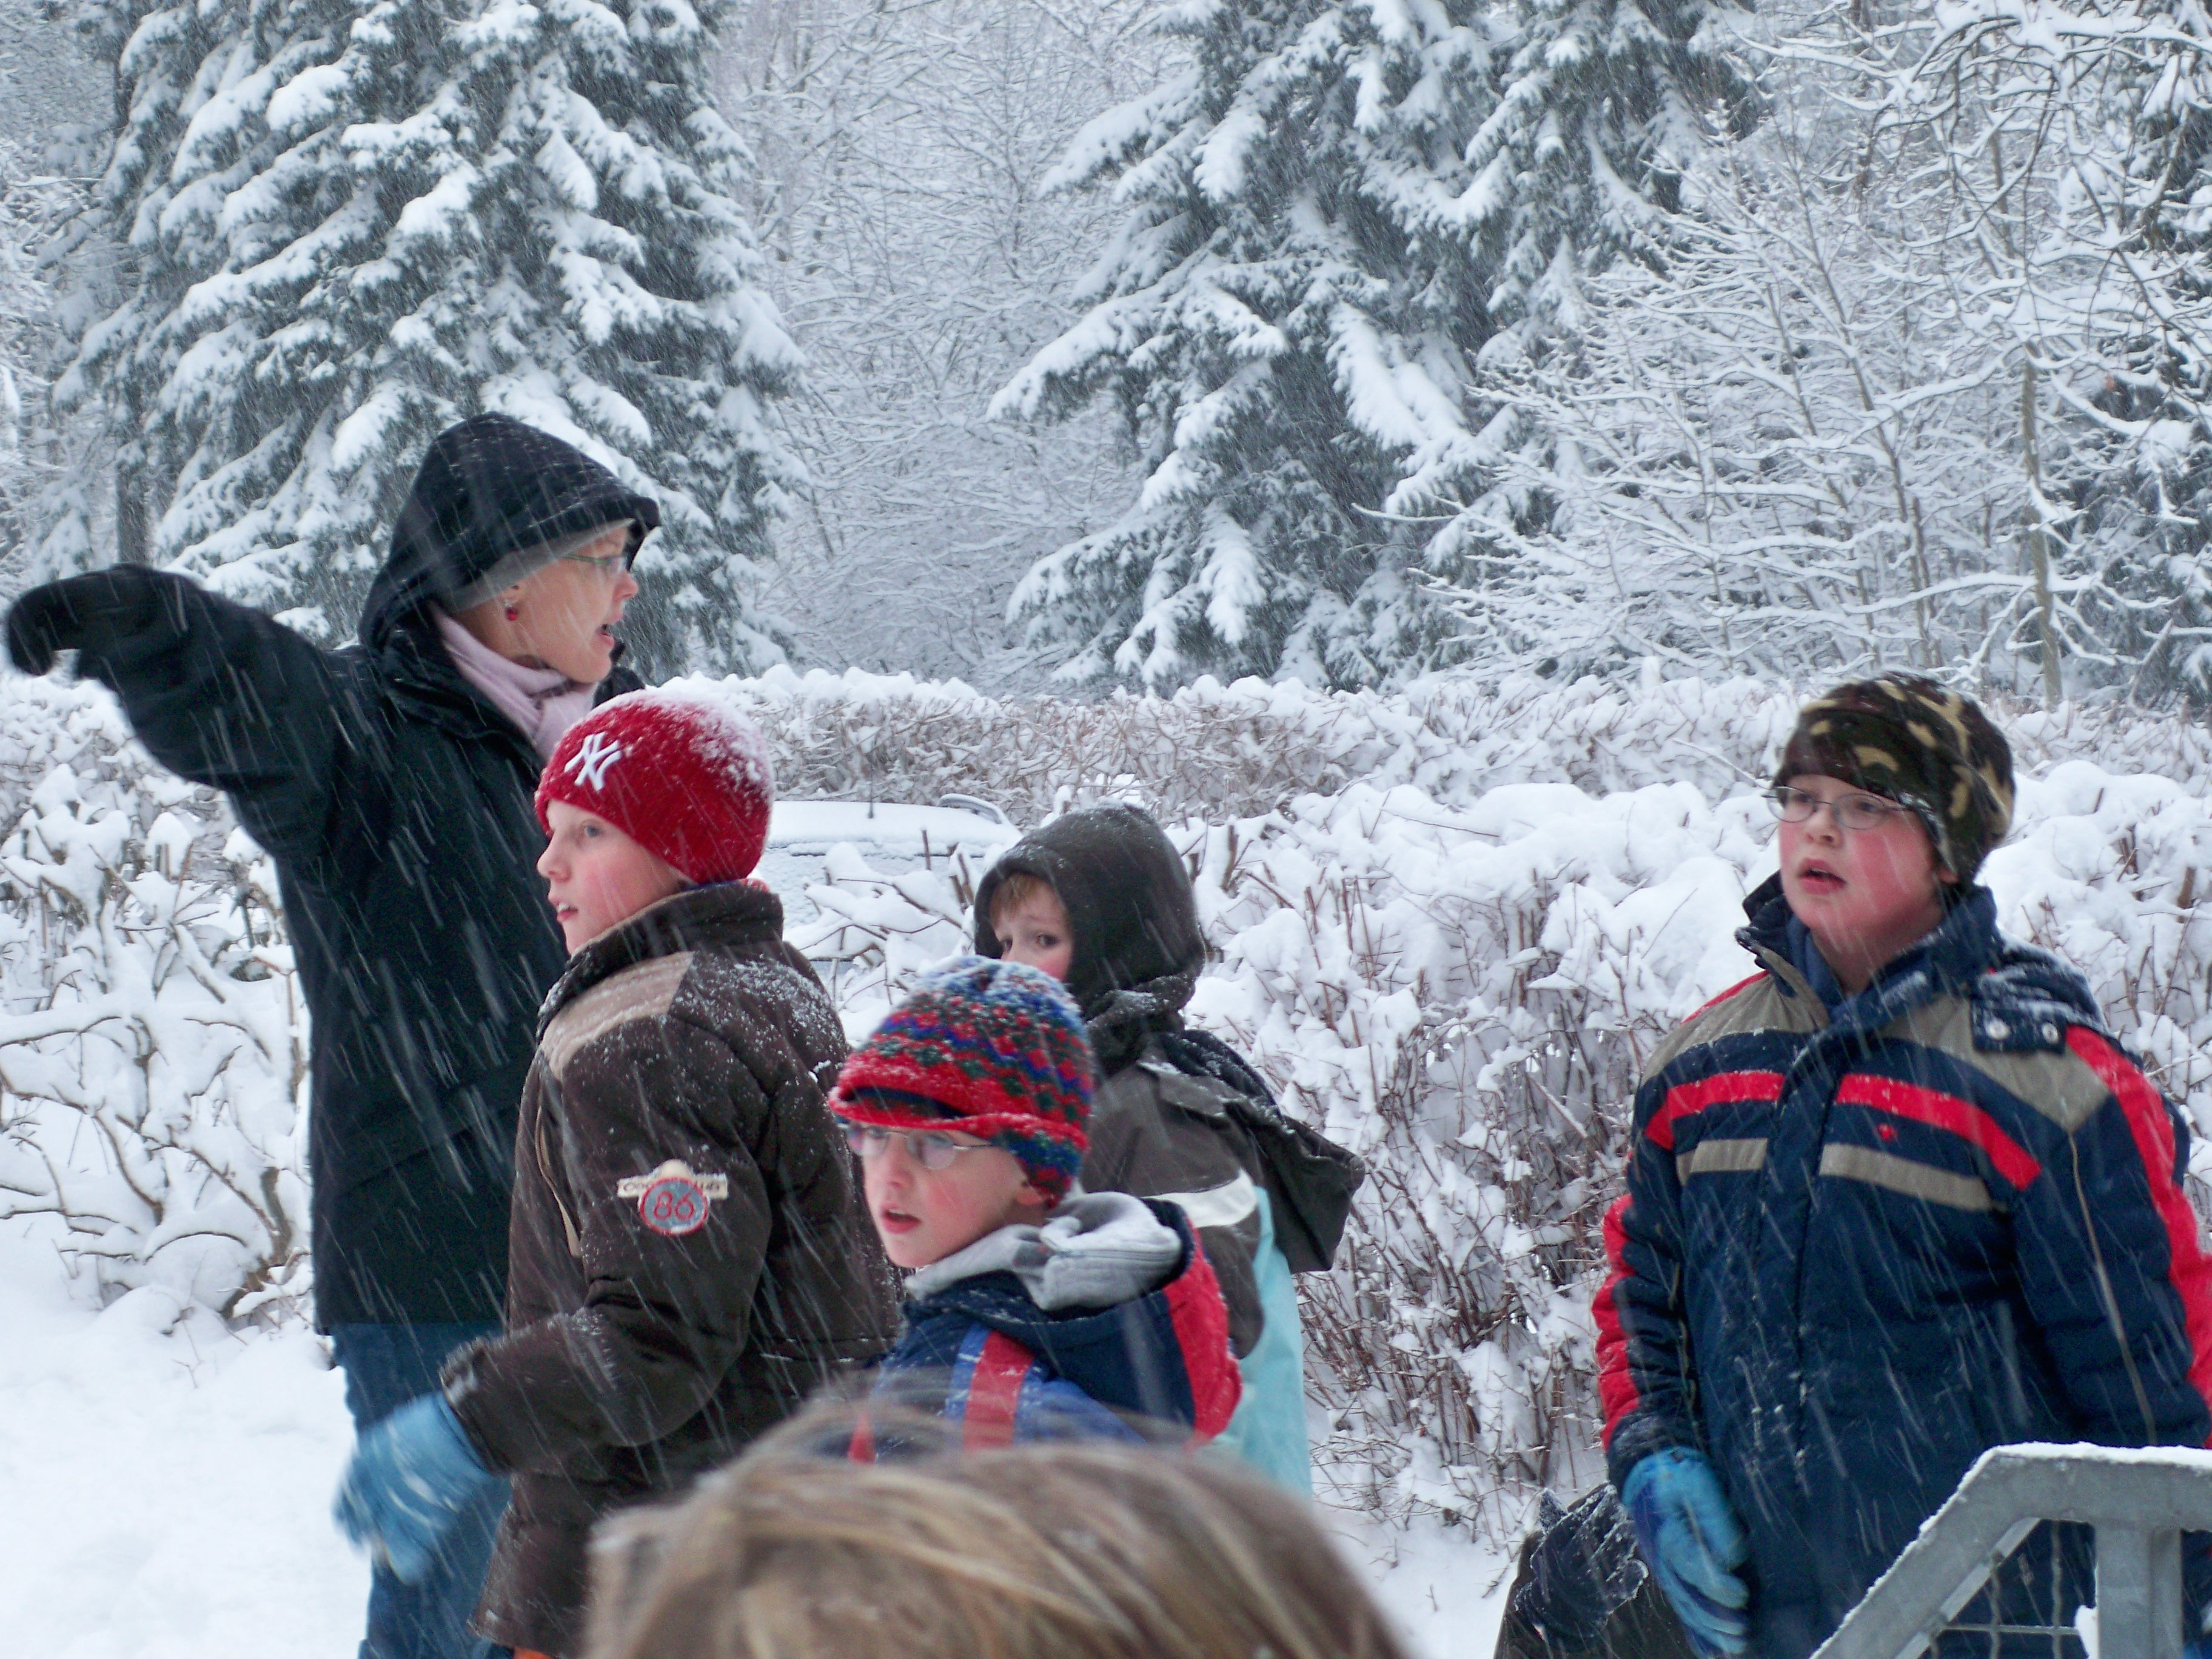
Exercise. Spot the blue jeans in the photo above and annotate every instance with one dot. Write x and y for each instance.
(386, 1366)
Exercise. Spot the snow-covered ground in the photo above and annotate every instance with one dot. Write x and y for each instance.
(167, 1496)
(165, 1491)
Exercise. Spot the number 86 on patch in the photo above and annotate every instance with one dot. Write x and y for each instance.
(674, 1198)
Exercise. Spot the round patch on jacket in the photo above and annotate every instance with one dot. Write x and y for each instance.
(674, 1198)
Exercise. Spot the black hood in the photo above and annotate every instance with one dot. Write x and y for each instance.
(490, 487)
(1129, 898)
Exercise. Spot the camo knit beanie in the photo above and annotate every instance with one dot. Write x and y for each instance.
(994, 1049)
(1910, 740)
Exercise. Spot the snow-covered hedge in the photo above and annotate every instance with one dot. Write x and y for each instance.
(1450, 925)
(152, 1042)
(1220, 752)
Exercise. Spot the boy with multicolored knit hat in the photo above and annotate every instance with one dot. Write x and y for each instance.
(688, 1255)
(1033, 1310)
(1896, 1199)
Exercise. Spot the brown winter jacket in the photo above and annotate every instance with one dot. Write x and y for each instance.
(688, 1255)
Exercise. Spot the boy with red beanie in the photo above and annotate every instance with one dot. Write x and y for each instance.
(1034, 1310)
(689, 1257)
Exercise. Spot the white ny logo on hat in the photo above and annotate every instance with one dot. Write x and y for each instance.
(590, 764)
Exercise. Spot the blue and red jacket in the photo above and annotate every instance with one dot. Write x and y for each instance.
(983, 1354)
(1862, 1244)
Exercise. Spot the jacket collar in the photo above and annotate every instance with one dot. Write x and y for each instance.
(2021, 996)
(1095, 1251)
(725, 915)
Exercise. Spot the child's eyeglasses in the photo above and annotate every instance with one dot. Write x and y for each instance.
(927, 1147)
(1850, 812)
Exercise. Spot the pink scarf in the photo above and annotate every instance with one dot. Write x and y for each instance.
(542, 703)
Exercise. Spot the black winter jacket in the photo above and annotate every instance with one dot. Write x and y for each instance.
(691, 1255)
(396, 802)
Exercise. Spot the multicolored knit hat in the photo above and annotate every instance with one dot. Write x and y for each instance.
(1908, 739)
(995, 1048)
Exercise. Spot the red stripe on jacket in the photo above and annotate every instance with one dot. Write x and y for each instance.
(1200, 1319)
(2187, 1269)
(1960, 1117)
(995, 1390)
(1721, 1088)
(1616, 1385)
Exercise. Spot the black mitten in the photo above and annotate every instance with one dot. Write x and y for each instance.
(81, 613)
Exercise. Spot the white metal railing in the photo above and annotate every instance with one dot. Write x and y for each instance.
(2140, 1503)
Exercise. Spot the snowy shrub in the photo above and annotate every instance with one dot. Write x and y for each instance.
(1219, 752)
(153, 1043)
(1464, 997)
(1448, 924)
(1456, 962)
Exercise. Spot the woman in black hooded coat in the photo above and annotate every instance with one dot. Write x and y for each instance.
(394, 796)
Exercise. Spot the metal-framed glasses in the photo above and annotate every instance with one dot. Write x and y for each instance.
(928, 1147)
(607, 567)
(1859, 812)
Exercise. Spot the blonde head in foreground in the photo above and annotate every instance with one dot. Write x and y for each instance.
(1065, 1552)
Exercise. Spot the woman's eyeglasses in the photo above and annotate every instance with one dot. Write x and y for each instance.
(928, 1147)
(1850, 812)
(607, 567)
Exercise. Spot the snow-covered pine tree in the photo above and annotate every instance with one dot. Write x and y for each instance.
(349, 224)
(1335, 210)
(1926, 383)
(2118, 93)
(35, 457)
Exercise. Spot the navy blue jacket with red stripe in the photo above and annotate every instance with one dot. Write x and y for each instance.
(983, 1353)
(1858, 1249)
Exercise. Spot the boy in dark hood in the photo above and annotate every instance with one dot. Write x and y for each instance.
(1100, 899)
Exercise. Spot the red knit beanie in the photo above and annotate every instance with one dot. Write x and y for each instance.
(687, 780)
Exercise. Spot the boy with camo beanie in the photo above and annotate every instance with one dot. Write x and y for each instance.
(1896, 1199)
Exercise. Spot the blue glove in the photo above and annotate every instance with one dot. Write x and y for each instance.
(1692, 1543)
(412, 1474)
